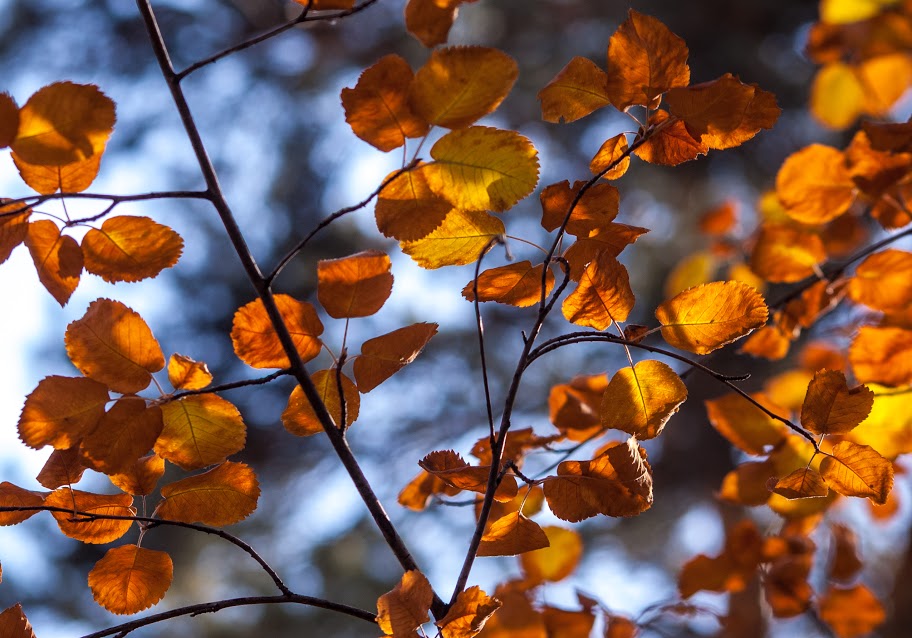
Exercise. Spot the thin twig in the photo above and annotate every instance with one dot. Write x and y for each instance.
(479, 324)
(31, 201)
(225, 386)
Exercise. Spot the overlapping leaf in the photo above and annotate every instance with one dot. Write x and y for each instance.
(142, 476)
(830, 407)
(453, 470)
(594, 210)
(784, 254)
(13, 227)
(641, 399)
(814, 184)
(468, 614)
(383, 356)
(882, 355)
(125, 433)
(130, 578)
(255, 340)
(555, 562)
(575, 92)
(63, 467)
(513, 534)
(200, 430)
(222, 496)
(802, 483)
(429, 21)
(407, 209)
(517, 284)
(61, 410)
(58, 259)
(130, 249)
(669, 143)
(15, 496)
(459, 240)
(74, 177)
(603, 295)
(612, 159)
(186, 374)
(299, 417)
(401, 610)
(96, 531)
(858, 470)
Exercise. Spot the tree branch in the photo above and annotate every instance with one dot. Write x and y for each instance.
(225, 386)
(36, 200)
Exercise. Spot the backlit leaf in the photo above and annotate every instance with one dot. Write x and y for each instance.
(129, 579)
(354, 286)
(612, 158)
(784, 254)
(707, 317)
(222, 496)
(645, 59)
(126, 432)
(378, 109)
(256, 342)
(401, 610)
(459, 85)
(200, 430)
(74, 177)
(802, 483)
(63, 467)
(63, 123)
(15, 496)
(299, 417)
(459, 240)
(747, 484)
(383, 356)
(698, 268)
(186, 374)
(468, 614)
(830, 407)
(858, 470)
(58, 258)
(453, 470)
(428, 21)
(482, 168)
(407, 209)
(95, 531)
(845, 563)
(130, 249)
(595, 209)
(517, 284)
(851, 612)
(814, 185)
(13, 227)
(603, 295)
(513, 534)
(563, 623)
(61, 410)
(669, 143)
(837, 96)
(557, 561)
(142, 476)
(113, 345)
(745, 425)
(883, 281)
(720, 220)
(575, 92)
(9, 119)
(14, 624)
(882, 355)
(848, 11)
(641, 399)
(611, 239)
(574, 407)
(420, 489)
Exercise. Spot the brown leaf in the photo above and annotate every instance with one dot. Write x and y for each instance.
(404, 608)
(858, 470)
(383, 356)
(142, 477)
(830, 407)
(575, 92)
(88, 530)
(58, 259)
(222, 496)
(513, 534)
(14, 624)
(802, 483)
(61, 410)
(126, 432)
(130, 578)
(851, 612)
(63, 467)
(429, 21)
(454, 471)
(256, 342)
(468, 614)
(612, 159)
(668, 142)
(354, 286)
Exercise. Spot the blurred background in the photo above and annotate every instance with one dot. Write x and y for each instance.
(273, 123)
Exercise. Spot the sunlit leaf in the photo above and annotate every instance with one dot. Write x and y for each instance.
(130, 578)
(255, 340)
(641, 399)
(669, 143)
(747, 484)
(453, 470)
(845, 563)
(837, 96)
(699, 268)
(130, 249)
(15, 496)
(603, 295)
(299, 417)
(513, 534)
(407, 209)
(518, 284)
(575, 92)
(882, 355)
(90, 530)
(814, 184)
(830, 407)
(126, 432)
(851, 612)
(468, 614)
(574, 407)
(563, 623)
(611, 240)
(428, 21)
(802, 483)
(595, 209)
(557, 561)
(200, 430)
(142, 476)
(186, 374)
(13, 227)
(63, 467)
(401, 610)
(420, 489)
(61, 410)
(222, 496)
(745, 425)
(883, 281)
(784, 254)
(354, 286)
(14, 624)
(58, 258)
(459, 240)
(74, 177)
(383, 356)
(612, 158)
(858, 470)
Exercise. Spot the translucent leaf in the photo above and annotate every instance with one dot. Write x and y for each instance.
(420, 489)
(517, 284)
(407, 209)
(848, 11)
(299, 417)
(883, 281)
(458, 241)
(95, 531)
(837, 96)
(784, 254)
(58, 259)
(845, 563)
(595, 209)
(858, 470)
(698, 268)
(129, 579)
(641, 399)
(720, 220)
(113, 345)
(63, 467)
(744, 424)
(186, 374)
(830, 407)
(61, 410)
(707, 317)
(142, 477)
(563, 623)
(13, 227)
(468, 614)
(802, 483)
(814, 185)
(747, 484)
(200, 430)
(611, 240)
(453, 470)
(126, 432)
(669, 144)
(383, 356)
(574, 407)
(851, 612)
(428, 21)
(354, 286)
(513, 534)
(882, 355)
(459, 85)
(378, 110)
(9, 119)
(555, 562)
(256, 342)
(401, 610)
(482, 168)
(222, 496)
(130, 249)
(74, 177)
(14, 624)
(575, 92)
(603, 295)
(612, 158)
(15, 496)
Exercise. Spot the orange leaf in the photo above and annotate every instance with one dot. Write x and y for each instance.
(87, 530)
(58, 258)
(814, 184)
(851, 612)
(882, 355)
(418, 492)
(618, 482)
(9, 119)
(668, 142)
(74, 177)
(459, 85)
(383, 356)
(784, 254)
(555, 562)
(63, 467)
(130, 249)
(468, 614)
(453, 470)
(126, 432)
(747, 484)
(595, 209)
(256, 342)
(129, 579)
(744, 424)
(14, 624)
(802, 483)
(611, 239)
(858, 470)
(200, 430)
(562, 623)
(845, 563)
(603, 295)
(513, 534)
(575, 92)
(64, 123)
(222, 496)
(186, 374)
(60, 411)
(401, 610)
(516, 284)
(698, 268)
(574, 407)
(721, 220)
(707, 317)
(612, 158)
(142, 477)
(458, 241)
(113, 345)
(299, 417)
(641, 399)
(645, 59)
(13, 227)
(723, 113)
(830, 407)
(428, 21)
(377, 109)
(354, 286)
(407, 209)
(15, 496)
(883, 281)
(517, 617)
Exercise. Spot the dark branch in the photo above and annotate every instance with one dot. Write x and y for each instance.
(36, 200)
(479, 325)
(226, 386)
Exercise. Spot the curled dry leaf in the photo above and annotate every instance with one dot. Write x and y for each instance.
(468, 614)
(222, 496)
(401, 610)
(256, 342)
(453, 470)
(130, 578)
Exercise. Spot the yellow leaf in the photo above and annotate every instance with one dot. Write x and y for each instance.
(299, 417)
(222, 496)
(407, 210)
(691, 271)
(14, 624)
(186, 374)
(113, 345)
(851, 612)
(200, 430)
(15, 496)
(575, 92)
(459, 240)
(468, 614)
(61, 410)
(858, 470)
(883, 281)
(814, 185)
(744, 424)
(383, 356)
(126, 432)
(95, 531)
(784, 254)
(130, 249)
(142, 477)
(354, 286)
(837, 97)
(641, 399)
(707, 317)
(516, 284)
(802, 483)
(830, 407)
(401, 610)
(848, 11)
(58, 258)
(130, 578)
(459, 85)
(256, 342)
(603, 295)
(513, 534)
(611, 158)
(555, 562)
(882, 355)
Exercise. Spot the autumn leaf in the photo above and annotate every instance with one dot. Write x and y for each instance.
(13, 227)
(407, 209)
(564, 623)
(186, 374)
(645, 59)
(612, 159)
(603, 295)
(15, 496)
(611, 239)
(747, 484)
(200, 430)
(14, 624)
(256, 342)
(130, 578)
(9, 119)
(858, 470)
(299, 417)
(482, 168)
(420, 489)
(784, 254)
(96, 531)
(516, 284)
(707, 317)
(595, 209)
(61, 410)
(699, 268)
(745, 425)
(513, 534)
(74, 177)
(579, 89)
(668, 142)
(222, 496)
(63, 467)
(383, 356)
(556, 561)
(830, 407)
(851, 612)
(459, 240)
(814, 184)
(428, 21)
(58, 259)
(802, 483)
(641, 399)
(453, 470)
(130, 249)
(113, 345)
(883, 281)
(844, 562)
(574, 407)
(459, 85)
(401, 610)
(126, 432)
(378, 109)
(882, 355)
(354, 286)
(468, 614)
(142, 477)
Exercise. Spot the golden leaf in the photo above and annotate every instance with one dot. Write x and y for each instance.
(513, 534)
(428, 21)
(401, 610)
(354, 286)
(882, 355)
(255, 340)
(851, 612)
(830, 407)
(459, 240)
(883, 281)
(575, 92)
(61, 410)
(95, 531)
(612, 158)
(299, 417)
(186, 374)
(222, 496)
(518, 284)
(858, 470)
(130, 578)
(126, 432)
(130, 249)
(200, 430)
(555, 562)
(603, 295)
(814, 185)
(802, 483)
(407, 210)
(641, 399)
(468, 614)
